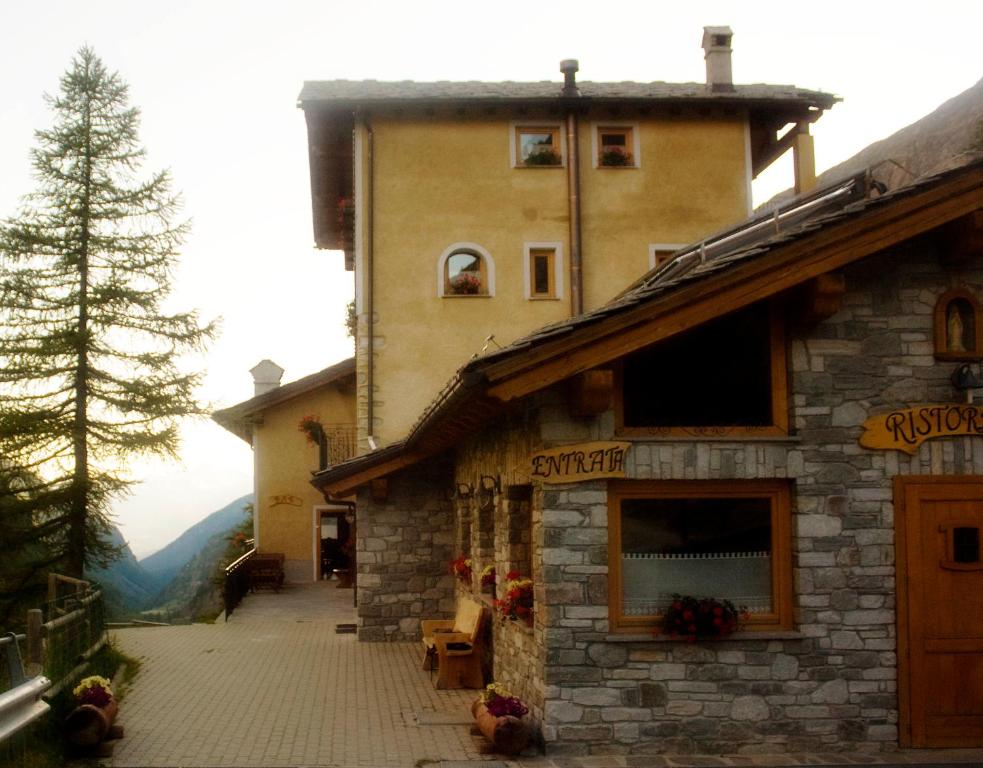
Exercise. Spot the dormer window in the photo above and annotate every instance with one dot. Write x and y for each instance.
(537, 146)
(465, 269)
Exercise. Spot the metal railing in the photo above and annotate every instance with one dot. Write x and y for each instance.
(236, 582)
(21, 704)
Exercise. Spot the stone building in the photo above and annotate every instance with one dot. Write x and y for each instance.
(780, 416)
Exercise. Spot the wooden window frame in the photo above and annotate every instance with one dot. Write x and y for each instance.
(555, 250)
(779, 493)
(941, 329)
(559, 142)
(779, 426)
(629, 130)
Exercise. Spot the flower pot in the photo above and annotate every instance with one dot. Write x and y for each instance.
(87, 725)
(509, 735)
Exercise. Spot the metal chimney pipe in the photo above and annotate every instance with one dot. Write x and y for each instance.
(569, 68)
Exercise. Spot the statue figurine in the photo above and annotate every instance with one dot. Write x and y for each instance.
(956, 331)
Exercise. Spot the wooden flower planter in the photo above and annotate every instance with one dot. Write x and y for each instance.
(509, 735)
(88, 726)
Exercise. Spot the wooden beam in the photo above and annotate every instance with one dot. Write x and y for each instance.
(820, 298)
(786, 267)
(347, 485)
(774, 150)
(590, 393)
(804, 159)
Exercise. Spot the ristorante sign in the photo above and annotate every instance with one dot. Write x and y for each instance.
(577, 463)
(906, 429)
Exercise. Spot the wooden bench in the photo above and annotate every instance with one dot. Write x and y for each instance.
(265, 570)
(454, 646)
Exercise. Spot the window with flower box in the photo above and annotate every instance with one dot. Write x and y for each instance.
(537, 146)
(465, 270)
(727, 540)
(616, 145)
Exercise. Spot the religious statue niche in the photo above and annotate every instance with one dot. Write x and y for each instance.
(957, 326)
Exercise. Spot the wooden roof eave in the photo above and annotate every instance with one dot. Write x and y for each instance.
(330, 148)
(785, 267)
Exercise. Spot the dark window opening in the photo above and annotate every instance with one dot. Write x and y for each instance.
(716, 375)
(966, 545)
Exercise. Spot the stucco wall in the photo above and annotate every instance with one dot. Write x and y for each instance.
(284, 460)
(448, 179)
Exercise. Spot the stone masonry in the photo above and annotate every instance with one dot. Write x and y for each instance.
(832, 684)
(403, 545)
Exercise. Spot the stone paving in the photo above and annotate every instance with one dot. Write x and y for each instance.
(276, 686)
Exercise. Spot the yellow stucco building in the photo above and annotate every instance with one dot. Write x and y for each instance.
(294, 430)
(473, 213)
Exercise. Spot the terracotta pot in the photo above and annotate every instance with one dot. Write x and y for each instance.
(87, 724)
(509, 735)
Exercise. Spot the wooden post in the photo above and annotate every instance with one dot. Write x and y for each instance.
(35, 648)
(52, 587)
(804, 159)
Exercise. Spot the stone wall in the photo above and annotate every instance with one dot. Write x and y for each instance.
(403, 545)
(832, 684)
(506, 532)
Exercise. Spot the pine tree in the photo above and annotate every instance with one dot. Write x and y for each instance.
(89, 374)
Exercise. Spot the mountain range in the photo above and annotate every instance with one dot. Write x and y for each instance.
(176, 578)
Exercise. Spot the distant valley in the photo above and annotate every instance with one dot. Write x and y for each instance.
(176, 582)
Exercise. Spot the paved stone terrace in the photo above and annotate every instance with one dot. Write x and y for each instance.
(276, 686)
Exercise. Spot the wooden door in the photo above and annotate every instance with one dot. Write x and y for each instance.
(939, 523)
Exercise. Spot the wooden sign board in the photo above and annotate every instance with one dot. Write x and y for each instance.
(578, 463)
(906, 429)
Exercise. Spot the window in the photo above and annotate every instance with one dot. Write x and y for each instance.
(544, 276)
(616, 146)
(465, 269)
(660, 253)
(727, 540)
(537, 146)
(724, 378)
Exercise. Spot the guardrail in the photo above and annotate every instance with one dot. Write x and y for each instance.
(22, 704)
(236, 582)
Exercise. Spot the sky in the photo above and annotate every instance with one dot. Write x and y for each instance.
(217, 84)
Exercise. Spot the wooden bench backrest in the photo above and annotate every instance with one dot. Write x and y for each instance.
(467, 620)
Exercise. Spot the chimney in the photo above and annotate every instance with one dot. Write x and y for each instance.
(717, 50)
(569, 68)
(266, 376)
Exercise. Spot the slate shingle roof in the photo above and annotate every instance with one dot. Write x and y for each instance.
(371, 91)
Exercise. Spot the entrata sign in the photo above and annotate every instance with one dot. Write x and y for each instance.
(577, 463)
(906, 429)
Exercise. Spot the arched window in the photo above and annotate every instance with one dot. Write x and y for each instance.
(465, 269)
